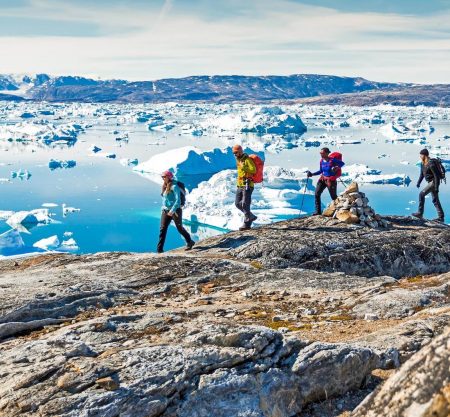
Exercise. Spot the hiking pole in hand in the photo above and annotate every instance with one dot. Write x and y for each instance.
(304, 192)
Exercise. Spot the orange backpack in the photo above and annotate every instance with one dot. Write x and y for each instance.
(259, 163)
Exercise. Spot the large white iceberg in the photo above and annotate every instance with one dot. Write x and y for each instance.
(261, 120)
(43, 132)
(29, 218)
(190, 160)
(11, 242)
(280, 197)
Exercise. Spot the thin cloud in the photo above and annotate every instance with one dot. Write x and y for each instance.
(282, 37)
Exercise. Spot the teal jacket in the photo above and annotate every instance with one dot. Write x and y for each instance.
(171, 200)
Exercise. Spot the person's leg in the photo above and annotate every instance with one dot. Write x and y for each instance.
(239, 198)
(437, 204)
(165, 221)
(246, 203)
(319, 190)
(178, 219)
(332, 189)
(428, 188)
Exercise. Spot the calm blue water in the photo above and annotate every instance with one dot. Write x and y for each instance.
(120, 209)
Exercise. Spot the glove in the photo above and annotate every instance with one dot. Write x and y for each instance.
(309, 174)
(418, 185)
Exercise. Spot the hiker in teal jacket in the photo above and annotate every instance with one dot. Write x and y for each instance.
(171, 210)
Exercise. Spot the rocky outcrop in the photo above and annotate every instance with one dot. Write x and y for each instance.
(100, 368)
(407, 248)
(263, 329)
(421, 388)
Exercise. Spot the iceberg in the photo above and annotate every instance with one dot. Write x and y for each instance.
(55, 164)
(68, 245)
(95, 149)
(261, 120)
(280, 197)
(5, 214)
(40, 131)
(400, 132)
(127, 162)
(189, 160)
(52, 243)
(29, 219)
(22, 174)
(11, 243)
(363, 174)
(49, 243)
(66, 209)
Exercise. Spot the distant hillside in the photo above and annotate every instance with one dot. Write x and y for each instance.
(426, 95)
(196, 88)
(326, 89)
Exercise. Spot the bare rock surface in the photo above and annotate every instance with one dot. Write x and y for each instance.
(421, 388)
(269, 322)
(408, 247)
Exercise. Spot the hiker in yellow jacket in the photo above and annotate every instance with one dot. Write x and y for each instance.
(246, 168)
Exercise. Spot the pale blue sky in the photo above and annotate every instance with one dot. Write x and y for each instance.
(147, 39)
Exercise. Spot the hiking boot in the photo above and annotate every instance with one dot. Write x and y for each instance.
(253, 218)
(316, 213)
(417, 215)
(439, 219)
(245, 227)
(190, 245)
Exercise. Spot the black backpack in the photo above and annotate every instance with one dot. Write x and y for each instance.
(182, 193)
(440, 168)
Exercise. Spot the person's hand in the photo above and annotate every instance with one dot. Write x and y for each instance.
(334, 169)
(170, 213)
(418, 185)
(309, 174)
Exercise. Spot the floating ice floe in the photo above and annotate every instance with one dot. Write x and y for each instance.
(55, 164)
(49, 243)
(190, 160)
(21, 174)
(29, 219)
(5, 214)
(261, 120)
(49, 205)
(67, 209)
(192, 130)
(127, 162)
(43, 132)
(95, 149)
(364, 120)
(52, 243)
(11, 243)
(108, 155)
(212, 202)
(363, 174)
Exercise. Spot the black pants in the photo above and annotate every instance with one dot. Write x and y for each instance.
(165, 222)
(243, 202)
(429, 188)
(321, 185)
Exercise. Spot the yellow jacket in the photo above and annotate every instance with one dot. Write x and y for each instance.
(245, 168)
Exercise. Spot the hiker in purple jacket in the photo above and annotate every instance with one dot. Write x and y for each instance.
(330, 170)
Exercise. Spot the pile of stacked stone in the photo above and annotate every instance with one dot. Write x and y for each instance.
(352, 207)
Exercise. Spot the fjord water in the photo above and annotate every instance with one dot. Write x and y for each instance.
(119, 209)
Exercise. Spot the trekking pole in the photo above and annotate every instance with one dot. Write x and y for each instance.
(304, 192)
(342, 181)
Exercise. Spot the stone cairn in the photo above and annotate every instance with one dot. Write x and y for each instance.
(352, 207)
